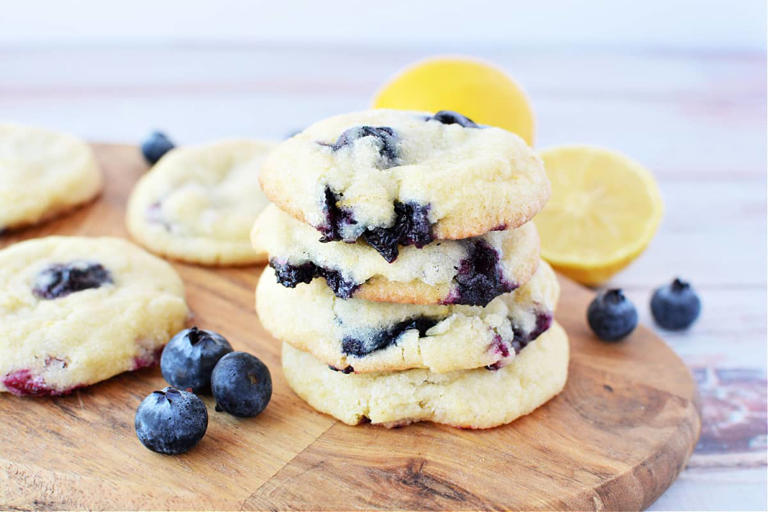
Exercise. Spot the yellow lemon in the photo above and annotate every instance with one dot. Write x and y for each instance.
(602, 214)
(478, 90)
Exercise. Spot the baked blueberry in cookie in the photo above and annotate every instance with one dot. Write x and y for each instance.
(291, 275)
(346, 370)
(479, 278)
(451, 117)
(364, 343)
(60, 279)
(521, 338)
(412, 227)
(383, 137)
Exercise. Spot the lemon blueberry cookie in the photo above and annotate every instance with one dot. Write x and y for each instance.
(198, 204)
(478, 398)
(397, 178)
(42, 174)
(75, 311)
(360, 336)
(471, 271)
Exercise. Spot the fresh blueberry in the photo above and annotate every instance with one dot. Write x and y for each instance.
(675, 306)
(241, 384)
(171, 421)
(188, 359)
(60, 279)
(385, 139)
(451, 117)
(612, 316)
(155, 146)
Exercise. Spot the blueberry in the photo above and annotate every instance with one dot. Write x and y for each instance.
(60, 279)
(384, 137)
(479, 278)
(363, 343)
(188, 359)
(675, 306)
(337, 219)
(171, 421)
(155, 146)
(241, 384)
(290, 276)
(451, 117)
(411, 227)
(611, 315)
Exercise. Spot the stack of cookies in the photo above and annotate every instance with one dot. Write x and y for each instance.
(404, 275)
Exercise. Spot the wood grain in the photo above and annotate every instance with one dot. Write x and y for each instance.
(614, 439)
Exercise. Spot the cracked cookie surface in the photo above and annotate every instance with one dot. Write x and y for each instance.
(75, 311)
(43, 174)
(198, 203)
(361, 336)
(398, 177)
(478, 398)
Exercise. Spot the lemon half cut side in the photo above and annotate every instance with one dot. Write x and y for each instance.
(603, 212)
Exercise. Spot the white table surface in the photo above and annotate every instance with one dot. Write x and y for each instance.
(694, 113)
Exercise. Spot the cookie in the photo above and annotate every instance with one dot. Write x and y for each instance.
(361, 336)
(471, 271)
(198, 203)
(477, 398)
(75, 311)
(43, 174)
(394, 177)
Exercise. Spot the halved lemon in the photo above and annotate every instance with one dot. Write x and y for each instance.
(480, 91)
(603, 212)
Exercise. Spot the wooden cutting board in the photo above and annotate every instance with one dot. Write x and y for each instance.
(615, 438)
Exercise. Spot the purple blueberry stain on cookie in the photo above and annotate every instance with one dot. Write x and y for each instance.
(154, 215)
(290, 276)
(521, 339)
(24, 382)
(61, 279)
(371, 340)
(147, 358)
(479, 277)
